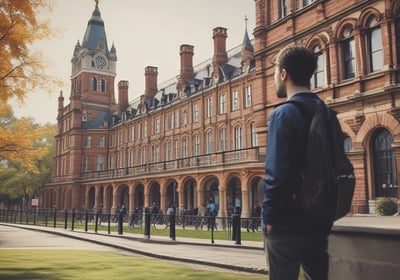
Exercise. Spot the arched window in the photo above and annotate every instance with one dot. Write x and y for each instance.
(317, 79)
(374, 45)
(348, 53)
(384, 164)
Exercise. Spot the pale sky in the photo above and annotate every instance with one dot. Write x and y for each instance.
(144, 32)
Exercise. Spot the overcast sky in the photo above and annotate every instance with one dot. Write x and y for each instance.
(145, 33)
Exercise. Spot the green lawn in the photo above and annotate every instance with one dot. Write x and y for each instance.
(79, 264)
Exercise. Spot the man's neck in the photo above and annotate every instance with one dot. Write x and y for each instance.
(295, 89)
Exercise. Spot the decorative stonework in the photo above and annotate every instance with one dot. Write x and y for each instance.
(355, 122)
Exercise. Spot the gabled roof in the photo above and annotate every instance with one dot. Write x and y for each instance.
(201, 80)
(99, 121)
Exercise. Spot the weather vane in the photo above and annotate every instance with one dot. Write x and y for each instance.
(246, 19)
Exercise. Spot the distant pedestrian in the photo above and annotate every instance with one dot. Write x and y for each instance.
(201, 214)
(211, 215)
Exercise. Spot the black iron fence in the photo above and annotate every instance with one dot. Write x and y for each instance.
(231, 226)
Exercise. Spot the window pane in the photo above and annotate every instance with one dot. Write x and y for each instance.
(384, 165)
(376, 49)
(349, 58)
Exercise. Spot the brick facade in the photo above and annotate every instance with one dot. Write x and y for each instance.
(202, 135)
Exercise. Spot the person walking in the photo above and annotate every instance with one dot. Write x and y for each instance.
(201, 214)
(291, 241)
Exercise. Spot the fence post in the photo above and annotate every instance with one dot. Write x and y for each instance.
(73, 219)
(27, 216)
(86, 220)
(236, 232)
(172, 233)
(147, 218)
(55, 218)
(20, 216)
(66, 219)
(46, 217)
(96, 221)
(120, 223)
(212, 227)
(109, 222)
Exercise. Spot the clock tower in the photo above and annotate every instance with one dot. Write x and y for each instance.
(84, 123)
(93, 71)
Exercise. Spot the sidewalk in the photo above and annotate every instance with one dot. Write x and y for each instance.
(247, 257)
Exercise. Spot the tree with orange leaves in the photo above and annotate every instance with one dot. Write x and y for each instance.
(21, 72)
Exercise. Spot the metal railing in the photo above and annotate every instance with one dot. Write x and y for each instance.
(215, 159)
(146, 223)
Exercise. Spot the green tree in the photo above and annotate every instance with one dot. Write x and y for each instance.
(20, 181)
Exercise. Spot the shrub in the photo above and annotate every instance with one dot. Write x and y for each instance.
(386, 206)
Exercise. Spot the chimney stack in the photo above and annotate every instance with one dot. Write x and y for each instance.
(219, 35)
(123, 96)
(150, 74)
(60, 101)
(186, 52)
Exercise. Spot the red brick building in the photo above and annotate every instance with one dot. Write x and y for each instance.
(202, 135)
(358, 45)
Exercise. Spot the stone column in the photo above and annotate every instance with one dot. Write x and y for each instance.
(163, 195)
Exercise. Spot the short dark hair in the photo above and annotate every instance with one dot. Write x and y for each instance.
(299, 62)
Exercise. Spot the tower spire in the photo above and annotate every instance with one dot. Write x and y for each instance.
(97, 2)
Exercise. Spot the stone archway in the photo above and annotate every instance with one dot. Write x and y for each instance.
(123, 196)
(211, 192)
(233, 194)
(189, 194)
(154, 194)
(108, 199)
(172, 196)
(257, 191)
(139, 196)
(91, 198)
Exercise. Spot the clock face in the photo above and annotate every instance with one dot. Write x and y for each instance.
(100, 62)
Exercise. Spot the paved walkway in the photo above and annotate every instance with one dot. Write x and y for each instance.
(249, 256)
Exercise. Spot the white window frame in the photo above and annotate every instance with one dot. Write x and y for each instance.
(235, 100)
(195, 113)
(222, 104)
(249, 96)
(209, 107)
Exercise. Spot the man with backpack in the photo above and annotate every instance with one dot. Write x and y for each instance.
(294, 237)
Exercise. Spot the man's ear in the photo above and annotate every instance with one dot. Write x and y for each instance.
(283, 74)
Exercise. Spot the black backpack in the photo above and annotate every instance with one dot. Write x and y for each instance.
(328, 177)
